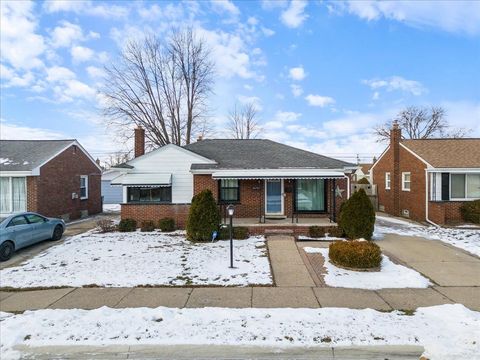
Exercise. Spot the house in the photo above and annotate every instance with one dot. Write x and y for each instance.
(111, 194)
(56, 178)
(264, 179)
(363, 171)
(427, 179)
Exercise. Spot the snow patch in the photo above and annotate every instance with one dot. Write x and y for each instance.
(111, 208)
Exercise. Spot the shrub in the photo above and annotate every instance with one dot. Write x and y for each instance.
(363, 181)
(127, 225)
(471, 211)
(355, 254)
(336, 231)
(147, 226)
(357, 216)
(239, 233)
(166, 224)
(106, 225)
(316, 231)
(203, 217)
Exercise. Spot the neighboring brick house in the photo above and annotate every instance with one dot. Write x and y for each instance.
(55, 178)
(427, 179)
(262, 178)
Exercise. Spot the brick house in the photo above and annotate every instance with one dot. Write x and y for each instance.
(265, 180)
(55, 178)
(427, 180)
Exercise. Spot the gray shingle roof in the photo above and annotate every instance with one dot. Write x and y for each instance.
(26, 155)
(258, 154)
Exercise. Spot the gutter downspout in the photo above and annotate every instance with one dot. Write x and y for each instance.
(426, 201)
(348, 186)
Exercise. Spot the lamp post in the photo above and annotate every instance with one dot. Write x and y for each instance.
(231, 211)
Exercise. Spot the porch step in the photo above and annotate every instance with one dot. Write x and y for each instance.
(275, 217)
(278, 232)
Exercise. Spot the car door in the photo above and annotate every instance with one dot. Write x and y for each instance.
(22, 231)
(41, 228)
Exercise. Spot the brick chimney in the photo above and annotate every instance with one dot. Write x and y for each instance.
(139, 147)
(395, 138)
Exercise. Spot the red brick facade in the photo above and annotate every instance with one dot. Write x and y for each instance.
(442, 212)
(51, 193)
(155, 212)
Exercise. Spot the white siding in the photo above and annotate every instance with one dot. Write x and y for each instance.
(175, 160)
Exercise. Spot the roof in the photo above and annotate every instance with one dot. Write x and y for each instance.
(26, 155)
(447, 153)
(365, 167)
(258, 154)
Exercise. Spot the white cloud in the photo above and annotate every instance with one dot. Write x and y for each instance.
(81, 54)
(296, 90)
(267, 32)
(86, 7)
(294, 15)
(297, 73)
(21, 45)
(318, 100)
(248, 87)
(376, 95)
(452, 16)
(12, 131)
(255, 100)
(394, 83)
(95, 72)
(66, 87)
(66, 34)
(225, 6)
(59, 74)
(273, 4)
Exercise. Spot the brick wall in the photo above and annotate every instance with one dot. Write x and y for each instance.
(32, 193)
(155, 212)
(59, 178)
(444, 212)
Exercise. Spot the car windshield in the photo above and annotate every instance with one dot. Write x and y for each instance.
(3, 221)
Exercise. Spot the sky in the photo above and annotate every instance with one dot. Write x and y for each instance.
(322, 74)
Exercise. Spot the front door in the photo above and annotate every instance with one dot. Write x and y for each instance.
(274, 197)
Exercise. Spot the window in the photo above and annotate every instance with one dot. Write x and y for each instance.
(18, 220)
(229, 190)
(310, 195)
(161, 194)
(406, 181)
(13, 194)
(34, 219)
(387, 181)
(84, 187)
(465, 186)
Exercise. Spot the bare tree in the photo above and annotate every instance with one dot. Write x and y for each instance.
(421, 123)
(117, 158)
(243, 122)
(161, 85)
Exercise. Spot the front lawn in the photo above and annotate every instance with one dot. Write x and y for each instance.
(135, 259)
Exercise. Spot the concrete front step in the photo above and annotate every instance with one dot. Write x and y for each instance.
(273, 232)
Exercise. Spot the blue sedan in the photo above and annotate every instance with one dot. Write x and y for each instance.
(20, 230)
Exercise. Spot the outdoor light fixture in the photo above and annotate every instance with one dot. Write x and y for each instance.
(231, 211)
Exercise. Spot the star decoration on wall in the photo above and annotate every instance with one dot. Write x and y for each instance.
(338, 192)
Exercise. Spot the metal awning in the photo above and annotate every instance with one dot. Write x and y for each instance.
(278, 174)
(143, 180)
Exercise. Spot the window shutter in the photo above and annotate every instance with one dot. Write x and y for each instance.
(445, 186)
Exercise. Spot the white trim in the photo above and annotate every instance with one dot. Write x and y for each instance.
(404, 174)
(164, 147)
(15, 173)
(389, 180)
(378, 160)
(277, 174)
(416, 155)
(282, 197)
(456, 170)
(36, 170)
(86, 187)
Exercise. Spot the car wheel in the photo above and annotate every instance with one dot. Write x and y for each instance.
(6, 250)
(57, 233)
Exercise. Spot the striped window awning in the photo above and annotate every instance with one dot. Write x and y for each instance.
(143, 180)
(278, 174)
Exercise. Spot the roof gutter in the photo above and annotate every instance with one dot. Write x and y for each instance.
(426, 201)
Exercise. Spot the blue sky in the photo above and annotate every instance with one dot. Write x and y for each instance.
(321, 73)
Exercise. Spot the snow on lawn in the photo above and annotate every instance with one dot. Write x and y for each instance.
(132, 259)
(466, 239)
(391, 275)
(111, 208)
(445, 331)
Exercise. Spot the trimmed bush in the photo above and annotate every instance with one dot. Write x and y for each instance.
(239, 233)
(355, 254)
(316, 231)
(127, 225)
(471, 211)
(357, 216)
(147, 226)
(363, 181)
(166, 224)
(106, 225)
(203, 217)
(336, 231)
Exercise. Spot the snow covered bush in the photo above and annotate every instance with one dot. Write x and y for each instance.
(357, 216)
(166, 224)
(127, 225)
(147, 226)
(203, 217)
(355, 254)
(106, 225)
(471, 211)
